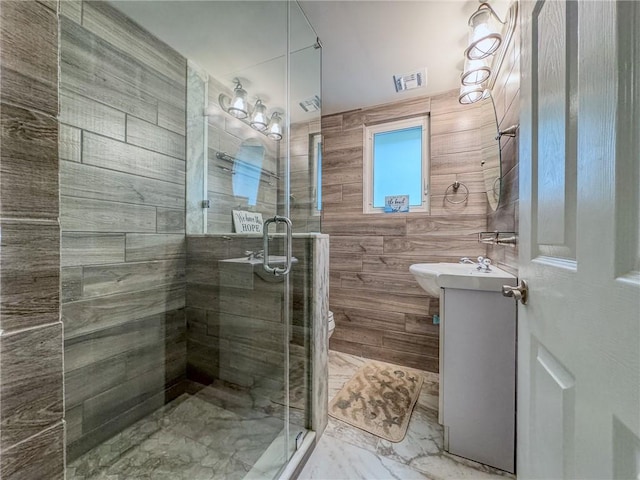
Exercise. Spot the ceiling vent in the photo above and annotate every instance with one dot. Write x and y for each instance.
(409, 81)
(311, 104)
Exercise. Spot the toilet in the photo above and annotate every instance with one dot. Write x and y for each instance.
(331, 324)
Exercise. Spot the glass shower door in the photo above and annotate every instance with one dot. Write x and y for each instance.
(236, 308)
(179, 345)
(304, 99)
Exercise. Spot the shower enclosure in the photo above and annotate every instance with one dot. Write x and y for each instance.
(186, 356)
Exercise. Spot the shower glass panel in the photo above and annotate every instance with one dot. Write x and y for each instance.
(304, 123)
(184, 358)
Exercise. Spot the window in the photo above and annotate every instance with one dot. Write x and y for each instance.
(396, 163)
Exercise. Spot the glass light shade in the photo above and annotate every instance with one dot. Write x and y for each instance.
(239, 107)
(470, 94)
(484, 38)
(259, 119)
(475, 72)
(274, 131)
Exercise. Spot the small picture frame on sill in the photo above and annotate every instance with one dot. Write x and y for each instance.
(396, 204)
(247, 222)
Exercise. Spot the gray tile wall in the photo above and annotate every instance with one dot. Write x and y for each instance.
(304, 216)
(122, 185)
(235, 319)
(31, 385)
(380, 310)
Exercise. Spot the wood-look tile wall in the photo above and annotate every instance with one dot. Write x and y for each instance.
(506, 93)
(235, 319)
(304, 214)
(380, 310)
(122, 185)
(31, 385)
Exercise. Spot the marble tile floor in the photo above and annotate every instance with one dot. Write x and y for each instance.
(345, 452)
(215, 432)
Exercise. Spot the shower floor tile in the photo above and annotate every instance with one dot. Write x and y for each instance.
(193, 438)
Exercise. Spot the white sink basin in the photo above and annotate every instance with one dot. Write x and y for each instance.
(434, 276)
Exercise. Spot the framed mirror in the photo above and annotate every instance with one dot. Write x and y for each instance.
(491, 164)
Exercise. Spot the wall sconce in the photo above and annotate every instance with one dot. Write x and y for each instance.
(483, 56)
(471, 94)
(475, 72)
(236, 106)
(275, 127)
(255, 117)
(259, 119)
(484, 38)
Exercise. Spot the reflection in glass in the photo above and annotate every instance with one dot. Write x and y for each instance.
(259, 119)
(247, 170)
(275, 127)
(491, 165)
(238, 107)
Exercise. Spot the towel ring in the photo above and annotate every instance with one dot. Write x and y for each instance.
(454, 188)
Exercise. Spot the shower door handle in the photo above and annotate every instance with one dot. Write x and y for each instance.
(277, 271)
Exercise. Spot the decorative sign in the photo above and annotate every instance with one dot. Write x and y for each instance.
(396, 203)
(247, 222)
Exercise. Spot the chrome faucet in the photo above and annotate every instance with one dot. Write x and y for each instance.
(254, 254)
(484, 264)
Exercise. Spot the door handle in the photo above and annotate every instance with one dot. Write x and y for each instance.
(277, 271)
(521, 292)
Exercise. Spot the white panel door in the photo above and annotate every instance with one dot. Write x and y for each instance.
(579, 334)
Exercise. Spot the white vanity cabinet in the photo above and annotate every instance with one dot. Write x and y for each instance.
(478, 375)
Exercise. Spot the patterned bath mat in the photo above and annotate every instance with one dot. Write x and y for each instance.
(379, 398)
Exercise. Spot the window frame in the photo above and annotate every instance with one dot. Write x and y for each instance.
(368, 159)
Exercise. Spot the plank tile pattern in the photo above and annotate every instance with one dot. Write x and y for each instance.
(380, 311)
(304, 214)
(122, 182)
(235, 319)
(505, 218)
(30, 57)
(31, 379)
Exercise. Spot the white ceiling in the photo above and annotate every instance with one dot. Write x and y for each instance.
(364, 44)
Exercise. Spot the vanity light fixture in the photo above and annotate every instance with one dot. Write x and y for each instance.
(488, 41)
(274, 130)
(484, 38)
(237, 106)
(256, 117)
(259, 119)
(470, 94)
(475, 72)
